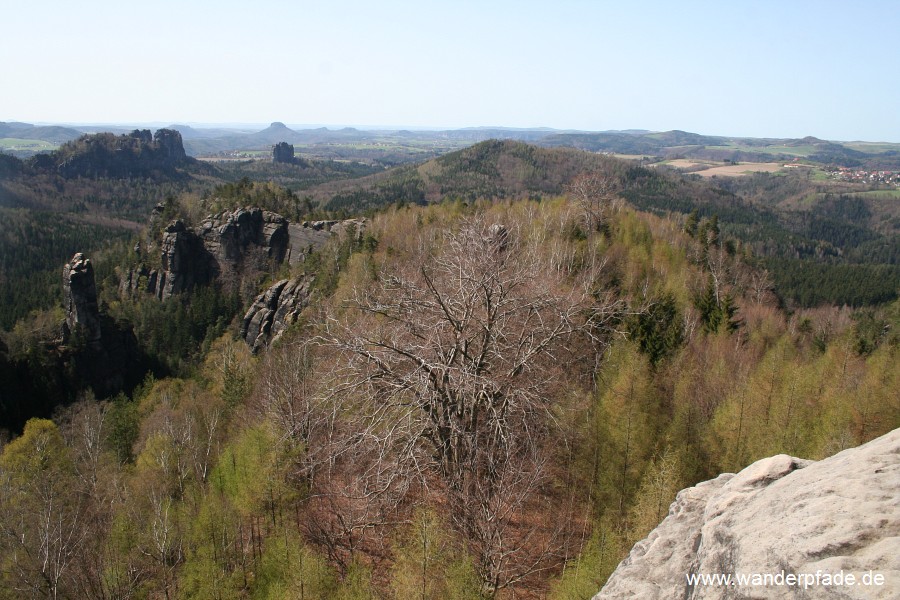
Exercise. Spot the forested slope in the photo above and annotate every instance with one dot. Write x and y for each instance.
(488, 399)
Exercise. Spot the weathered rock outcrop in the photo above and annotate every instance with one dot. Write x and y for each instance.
(185, 261)
(274, 311)
(780, 516)
(308, 236)
(140, 279)
(80, 298)
(137, 154)
(109, 360)
(232, 247)
(170, 145)
(283, 152)
(244, 236)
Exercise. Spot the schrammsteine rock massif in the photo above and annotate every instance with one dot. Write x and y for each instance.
(273, 311)
(234, 248)
(779, 515)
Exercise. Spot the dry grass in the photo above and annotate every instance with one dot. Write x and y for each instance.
(685, 163)
(710, 168)
(741, 169)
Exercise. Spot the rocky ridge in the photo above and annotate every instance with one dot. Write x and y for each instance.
(781, 515)
(231, 247)
(137, 154)
(235, 248)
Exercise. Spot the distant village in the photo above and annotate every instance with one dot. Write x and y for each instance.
(864, 176)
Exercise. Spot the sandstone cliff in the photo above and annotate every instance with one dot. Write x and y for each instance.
(283, 152)
(137, 154)
(95, 351)
(780, 515)
(80, 299)
(233, 248)
(273, 311)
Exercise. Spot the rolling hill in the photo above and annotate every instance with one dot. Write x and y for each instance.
(838, 237)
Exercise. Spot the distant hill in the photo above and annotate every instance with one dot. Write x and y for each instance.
(671, 144)
(491, 169)
(393, 147)
(200, 133)
(26, 131)
(824, 241)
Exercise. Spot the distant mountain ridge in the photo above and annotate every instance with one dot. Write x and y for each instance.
(50, 133)
(326, 142)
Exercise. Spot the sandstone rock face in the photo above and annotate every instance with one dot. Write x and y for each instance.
(229, 236)
(140, 279)
(274, 311)
(235, 248)
(80, 298)
(228, 246)
(170, 145)
(185, 262)
(837, 516)
(283, 152)
(137, 154)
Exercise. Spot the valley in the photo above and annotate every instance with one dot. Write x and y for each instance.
(394, 362)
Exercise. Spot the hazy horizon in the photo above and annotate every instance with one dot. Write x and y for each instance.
(769, 69)
(254, 127)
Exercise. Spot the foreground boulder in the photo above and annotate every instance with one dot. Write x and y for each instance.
(794, 528)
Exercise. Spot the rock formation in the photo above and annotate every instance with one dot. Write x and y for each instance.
(274, 311)
(244, 235)
(232, 247)
(110, 360)
(137, 154)
(780, 517)
(140, 279)
(283, 152)
(308, 236)
(80, 298)
(170, 145)
(185, 262)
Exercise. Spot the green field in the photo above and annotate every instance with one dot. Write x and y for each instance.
(16, 144)
(805, 150)
(880, 194)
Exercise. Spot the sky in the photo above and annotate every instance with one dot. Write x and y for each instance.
(787, 68)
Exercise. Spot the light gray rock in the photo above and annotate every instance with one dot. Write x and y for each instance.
(308, 236)
(779, 515)
(274, 311)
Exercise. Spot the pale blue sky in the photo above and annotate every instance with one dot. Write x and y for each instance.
(764, 69)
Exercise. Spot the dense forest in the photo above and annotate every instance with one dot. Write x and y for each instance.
(502, 376)
(489, 399)
(847, 233)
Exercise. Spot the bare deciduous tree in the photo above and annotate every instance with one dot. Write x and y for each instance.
(449, 372)
(596, 194)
